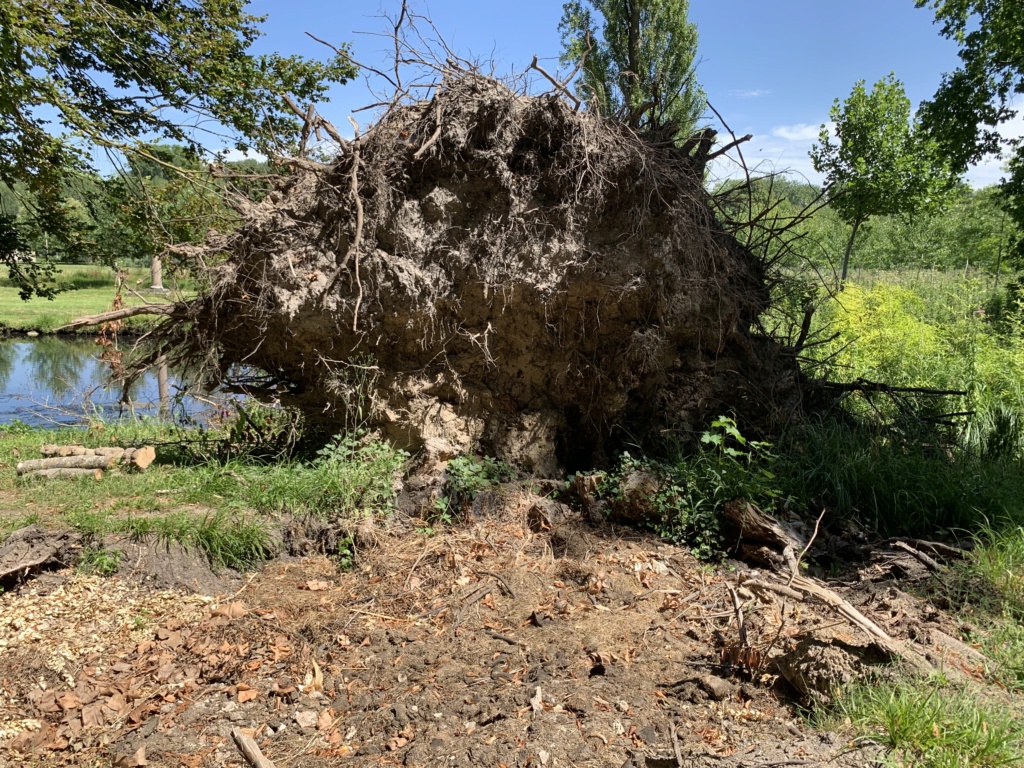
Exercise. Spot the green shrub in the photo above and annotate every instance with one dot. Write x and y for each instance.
(466, 477)
(692, 489)
(99, 560)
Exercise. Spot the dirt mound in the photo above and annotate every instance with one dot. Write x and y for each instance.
(494, 268)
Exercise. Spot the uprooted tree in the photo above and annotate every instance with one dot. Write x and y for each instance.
(494, 269)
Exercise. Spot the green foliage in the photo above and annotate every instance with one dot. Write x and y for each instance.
(893, 485)
(692, 489)
(925, 725)
(974, 101)
(932, 333)
(879, 162)
(110, 72)
(345, 557)
(642, 63)
(466, 477)
(100, 561)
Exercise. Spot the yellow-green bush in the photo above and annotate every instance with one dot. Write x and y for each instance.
(911, 337)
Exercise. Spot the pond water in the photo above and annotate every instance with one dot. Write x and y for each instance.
(53, 380)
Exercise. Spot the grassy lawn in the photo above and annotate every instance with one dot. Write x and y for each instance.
(92, 292)
(222, 506)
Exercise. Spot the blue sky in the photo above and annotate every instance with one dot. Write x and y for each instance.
(770, 67)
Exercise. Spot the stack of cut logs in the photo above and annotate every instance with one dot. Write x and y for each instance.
(79, 461)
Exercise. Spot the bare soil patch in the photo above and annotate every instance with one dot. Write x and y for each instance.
(498, 643)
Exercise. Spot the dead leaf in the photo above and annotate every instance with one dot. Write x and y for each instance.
(131, 761)
(326, 720)
(232, 610)
(244, 696)
(314, 585)
(92, 715)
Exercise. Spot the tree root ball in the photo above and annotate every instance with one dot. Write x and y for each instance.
(500, 272)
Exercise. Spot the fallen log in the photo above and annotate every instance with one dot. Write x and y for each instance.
(67, 456)
(72, 472)
(750, 524)
(66, 462)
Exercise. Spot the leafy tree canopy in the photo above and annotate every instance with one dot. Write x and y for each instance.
(878, 162)
(109, 72)
(972, 102)
(640, 63)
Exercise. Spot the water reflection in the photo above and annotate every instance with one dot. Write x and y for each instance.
(56, 364)
(51, 380)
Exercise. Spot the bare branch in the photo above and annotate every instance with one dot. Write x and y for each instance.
(178, 309)
(560, 87)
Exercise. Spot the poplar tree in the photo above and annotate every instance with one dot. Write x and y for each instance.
(639, 60)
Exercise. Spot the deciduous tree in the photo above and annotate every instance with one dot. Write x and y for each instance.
(878, 162)
(973, 102)
(76, 75)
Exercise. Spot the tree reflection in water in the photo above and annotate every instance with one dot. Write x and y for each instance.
(55, 379)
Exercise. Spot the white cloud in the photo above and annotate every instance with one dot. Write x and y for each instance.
(765, 155)
(234, 155)
(798, 132)
(752, 93)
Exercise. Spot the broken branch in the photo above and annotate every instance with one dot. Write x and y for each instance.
(560, 87)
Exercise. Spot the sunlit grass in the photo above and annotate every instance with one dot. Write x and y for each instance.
(93, 293)
(926, 725)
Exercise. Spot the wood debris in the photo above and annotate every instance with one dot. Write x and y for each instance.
(77, 461)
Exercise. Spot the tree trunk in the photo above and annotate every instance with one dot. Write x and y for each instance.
(632, 76)
(162, 388)
(849, 249)
(156, 271)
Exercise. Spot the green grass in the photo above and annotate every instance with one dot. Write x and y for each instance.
(985, 592)
(93, 292)
(226, 509)
(897, 486)
(925, 725)
(100, 560)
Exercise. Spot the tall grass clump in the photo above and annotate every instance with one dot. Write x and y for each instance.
(924, 725)
(894, 485)
(346, 478)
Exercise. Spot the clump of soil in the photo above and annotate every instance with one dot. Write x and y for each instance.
(497, 269)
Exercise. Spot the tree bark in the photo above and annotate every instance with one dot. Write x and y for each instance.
(163, 391)
(75, 472)
(849, 248)
(156, 273)
(633, 52)
(67, 462)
